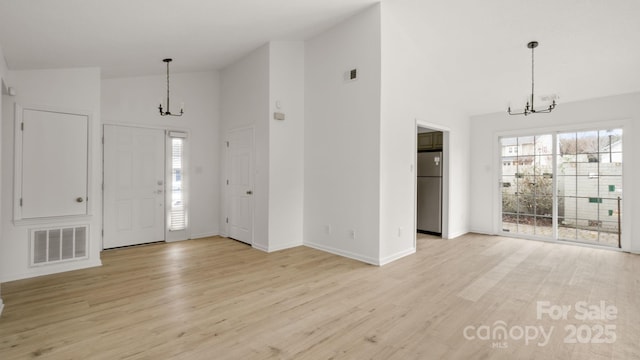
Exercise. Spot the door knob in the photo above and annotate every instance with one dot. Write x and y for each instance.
(249, 192)
(79, 199)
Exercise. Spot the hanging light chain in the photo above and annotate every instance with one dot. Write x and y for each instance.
(168, 112)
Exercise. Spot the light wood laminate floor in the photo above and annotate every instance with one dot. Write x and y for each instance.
(218, 299)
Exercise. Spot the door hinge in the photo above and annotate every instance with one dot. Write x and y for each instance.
(20, 201)
(103, 140)
(227, 181)
(227, 144)
(102, 232)
(22, 126)
(227, 220)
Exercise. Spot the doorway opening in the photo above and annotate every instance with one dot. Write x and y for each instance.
(431, 174)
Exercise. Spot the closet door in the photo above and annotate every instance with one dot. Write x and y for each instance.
(53, 163)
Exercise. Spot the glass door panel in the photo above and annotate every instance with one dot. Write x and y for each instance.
(589, 168)
(527, 185)
(580, 190)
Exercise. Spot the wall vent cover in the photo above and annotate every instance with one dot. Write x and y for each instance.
(351, 75)
(60, 244)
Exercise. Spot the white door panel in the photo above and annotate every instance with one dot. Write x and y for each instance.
(240, 186)
(133, 186)
(54, 164)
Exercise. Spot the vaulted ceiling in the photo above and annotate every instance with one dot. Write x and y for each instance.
(588, 48)
(131, 37)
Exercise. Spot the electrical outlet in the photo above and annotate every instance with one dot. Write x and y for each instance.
(400, 231)
(352, 233)
(327, 229)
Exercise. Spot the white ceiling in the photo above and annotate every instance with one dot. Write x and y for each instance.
(131, 37)
(477, 49)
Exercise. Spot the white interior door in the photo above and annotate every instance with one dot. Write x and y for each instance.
(133, 186)
(240, 184)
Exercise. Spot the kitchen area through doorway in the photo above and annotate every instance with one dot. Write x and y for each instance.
(429, 189)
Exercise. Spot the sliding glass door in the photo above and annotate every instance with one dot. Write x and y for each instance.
(565, 186)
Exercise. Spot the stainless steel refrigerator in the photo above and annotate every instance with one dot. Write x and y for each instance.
(430, 192)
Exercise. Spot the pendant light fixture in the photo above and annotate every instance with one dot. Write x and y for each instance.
(168, 112)
(529, 108)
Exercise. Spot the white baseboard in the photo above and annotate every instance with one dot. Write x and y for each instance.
(457, 234)
(284, 246)
(270, 249)
(397, 256)
(483, 231)
(205, 235)
(44, 270)
(260, 247)
(344, 253)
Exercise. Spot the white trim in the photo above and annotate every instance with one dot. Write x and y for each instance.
(446, 179)
(53, 269)
(284, 246)
(457, 234)
(184, 234)
(258, 246)
(343, 253)
(397, 256)
(143, 126)
(482, 232)
(205, 235)
(177, 134)
(18, 113)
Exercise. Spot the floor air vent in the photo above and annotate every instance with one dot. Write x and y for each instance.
(56, 245)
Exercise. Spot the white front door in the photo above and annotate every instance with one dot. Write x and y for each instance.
(240, 184)
(133, 186)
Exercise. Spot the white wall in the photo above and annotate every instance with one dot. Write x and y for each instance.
(412, 91)
(286, 144)
(3, 85)
(134, 102)
(4, 70)
(250, 89)
(72, 89)
(605, 112)
(342, 133)
(245, 103)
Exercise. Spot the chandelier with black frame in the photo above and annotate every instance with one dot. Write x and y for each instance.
(168, 112)
(529, 107)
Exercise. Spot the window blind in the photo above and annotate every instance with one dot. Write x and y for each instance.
(177, 213)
